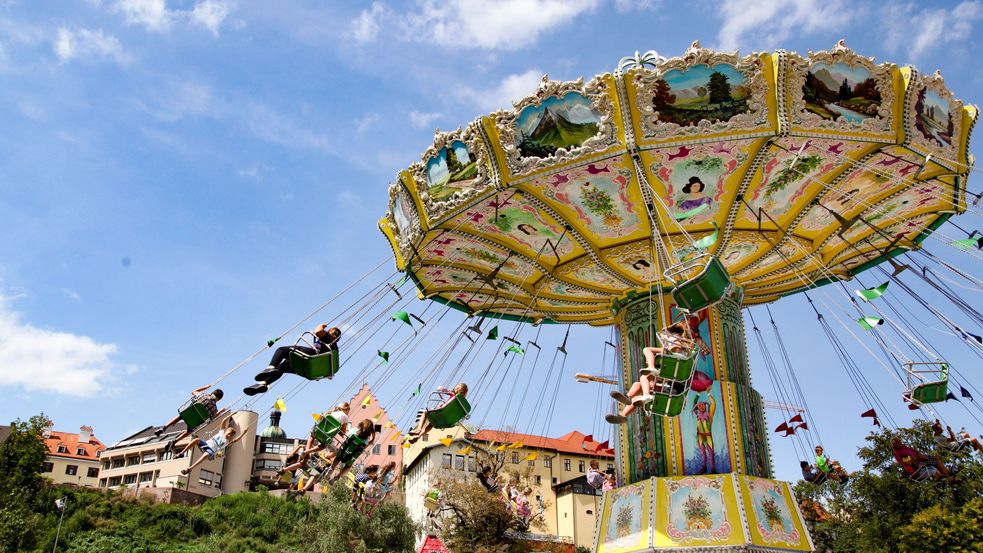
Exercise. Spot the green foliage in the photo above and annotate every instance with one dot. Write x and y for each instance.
(337, 528)
(882, 510)
(476, 520)
(21, 460)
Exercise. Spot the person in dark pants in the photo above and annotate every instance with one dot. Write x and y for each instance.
(325, 340)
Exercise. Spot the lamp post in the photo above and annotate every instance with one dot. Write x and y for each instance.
(61, 504)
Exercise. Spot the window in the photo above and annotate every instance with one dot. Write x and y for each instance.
(515, 457)
(445, 460)
(459, 462)
(268, 464)
(566, 464)
(539, 479)
(149, 457)
(378, 429)
(206, 477)
(532, 463)
(48, 467)
(92, 472)
(500, 457)
(130, 461)
(472, 464)
(273, 447)
(426, 438)
(589, 512)
(146, 476)
(105, 465)
(376, 449)
(554, 480)
(80, 452)
(118, 463)
(113, 482)
(102, 482)
(62, 448)
(130, 479)
(165, 455)
(580, 466)
(548, 462)
(72, 470)
(391, 450)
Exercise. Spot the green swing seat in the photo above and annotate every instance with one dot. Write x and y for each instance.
(326, 429)
(703, 289)
(352, 448)
(932, 391)
(194, 415)
(313, 367)
(447, 416)
(674, 378)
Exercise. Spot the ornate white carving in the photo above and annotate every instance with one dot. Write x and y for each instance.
(654, 128)
(471, 137)
(405, 237)
(883, 75)
(915, 137)
(506, 120)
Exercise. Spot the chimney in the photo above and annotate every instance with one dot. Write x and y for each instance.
(85, 433)
(47, 430)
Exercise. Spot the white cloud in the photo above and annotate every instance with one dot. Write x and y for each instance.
(47, 360)
(365, 27)
(210, 14)
(152, 14)
(362, 124)
(178, 99)
(636, 5)
(767, 23)
(501, 25)
(86, 45)
(512, 88)
(422, 120)
(918, 31)
(266, 124)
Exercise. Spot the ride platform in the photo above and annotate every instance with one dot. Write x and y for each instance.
(717, 512)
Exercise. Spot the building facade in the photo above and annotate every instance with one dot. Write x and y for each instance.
(552, 467)
(73, 459)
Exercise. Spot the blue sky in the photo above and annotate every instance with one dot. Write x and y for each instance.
(181, 180)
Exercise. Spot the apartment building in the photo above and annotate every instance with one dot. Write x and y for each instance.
(554, 468)
(144, 460)
(73, 459)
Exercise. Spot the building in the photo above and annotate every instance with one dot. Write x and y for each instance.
(73, 459)
(144, 460)
(270, 453)
(554, 468)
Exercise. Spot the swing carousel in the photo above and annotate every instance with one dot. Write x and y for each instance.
(686, 189)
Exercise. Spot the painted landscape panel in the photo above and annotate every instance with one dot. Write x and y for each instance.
(686, 97)
(933, 118)
(558, 122)
(453, 168)
(839, 92)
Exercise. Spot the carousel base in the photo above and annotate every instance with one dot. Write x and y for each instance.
(718, 512)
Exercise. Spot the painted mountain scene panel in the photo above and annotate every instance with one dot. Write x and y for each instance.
(839, 92)
(933, 117)
(563, 122)
(686, 97)
(452, 169)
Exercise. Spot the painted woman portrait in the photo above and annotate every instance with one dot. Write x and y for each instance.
(694, 196)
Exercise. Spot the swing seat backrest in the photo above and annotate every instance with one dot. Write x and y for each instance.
(451, 413)
(194, 415)
(666, 405)
(314, 367)
(676, 367)
(352, 449)
(702, 290)
(326, 429)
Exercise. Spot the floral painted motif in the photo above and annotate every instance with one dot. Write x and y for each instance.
(625, 528)
(773, 517)
(697, 510)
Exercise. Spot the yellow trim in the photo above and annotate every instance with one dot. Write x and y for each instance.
(384, 227)
(410, 183)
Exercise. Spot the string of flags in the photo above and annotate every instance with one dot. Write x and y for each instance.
(793, 424)
(869, 322)
(871, 294)
(871, 414)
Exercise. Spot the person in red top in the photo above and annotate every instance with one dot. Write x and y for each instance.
(422, 423)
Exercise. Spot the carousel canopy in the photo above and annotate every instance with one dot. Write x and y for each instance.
(792, 170)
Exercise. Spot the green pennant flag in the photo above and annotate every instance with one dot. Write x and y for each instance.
(871, 294)
(967, 243)
(514, 349)
(708, 240)
(403, 316)
(869, 322)
(416, 392)
(384, 355)
(493, 333)
(687, 214)
(400, 282)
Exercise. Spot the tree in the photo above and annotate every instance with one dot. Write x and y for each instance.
(453, 164)
(476, 520)
(872, 512)
(338, 528)
(845, 92)
(936, 529)
(21, 461)
(719, 88)
(663, 95)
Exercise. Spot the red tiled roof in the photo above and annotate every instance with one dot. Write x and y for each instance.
(71, 443)
(571, 442)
